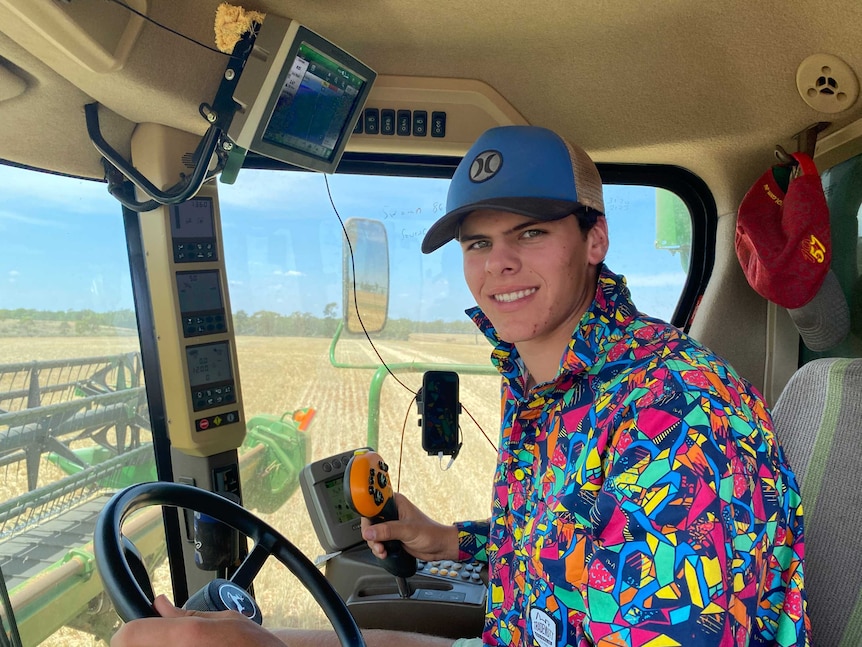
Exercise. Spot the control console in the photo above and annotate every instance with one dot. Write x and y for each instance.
(334, 521)
(460, 587)
(453, 571)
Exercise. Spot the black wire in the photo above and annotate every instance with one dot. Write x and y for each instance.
(355, 302)
(476, 422)
(340, 221)
(368, 337)
(401, 448)
(168, 29)
(337, 215)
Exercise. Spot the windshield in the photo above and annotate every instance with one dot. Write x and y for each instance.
(310, 389)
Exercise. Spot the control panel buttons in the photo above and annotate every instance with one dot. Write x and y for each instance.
(420, 123)
(217, 420)
(372, 121)
(401, 122)
(210, 324)
(215, 396)
(438, 124)
(404, 121)
(387, 122)
(335, 463)
(468, 572)
(195, 251)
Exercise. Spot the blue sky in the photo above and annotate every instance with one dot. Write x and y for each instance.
(62, 244)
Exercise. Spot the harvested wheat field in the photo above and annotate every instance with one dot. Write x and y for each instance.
(280, 374)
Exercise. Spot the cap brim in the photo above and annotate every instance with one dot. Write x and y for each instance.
(447, 228)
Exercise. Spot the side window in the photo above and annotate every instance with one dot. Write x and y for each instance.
(650, 244)
(74, 424)
(843, 188)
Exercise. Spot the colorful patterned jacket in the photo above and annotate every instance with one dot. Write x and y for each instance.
(640, 498)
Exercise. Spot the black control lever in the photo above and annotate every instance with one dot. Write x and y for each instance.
(369, 493)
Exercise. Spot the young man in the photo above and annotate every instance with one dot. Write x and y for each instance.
(640, 497)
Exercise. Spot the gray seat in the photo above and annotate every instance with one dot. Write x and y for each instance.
(818, 420)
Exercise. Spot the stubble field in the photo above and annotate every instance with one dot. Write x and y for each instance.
(281, 374)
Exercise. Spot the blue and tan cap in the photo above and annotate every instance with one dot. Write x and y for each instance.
(527, 170)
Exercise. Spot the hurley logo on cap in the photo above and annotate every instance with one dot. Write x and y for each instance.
(486, 165)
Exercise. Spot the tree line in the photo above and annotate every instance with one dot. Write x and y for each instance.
(265, 323)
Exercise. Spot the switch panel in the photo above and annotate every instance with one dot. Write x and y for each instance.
(401, 122)
(372, 121)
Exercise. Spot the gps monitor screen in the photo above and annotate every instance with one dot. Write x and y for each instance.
(315, 103)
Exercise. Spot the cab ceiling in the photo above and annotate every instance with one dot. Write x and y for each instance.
(709, 86)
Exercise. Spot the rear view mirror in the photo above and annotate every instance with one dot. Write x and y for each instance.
(366, 275)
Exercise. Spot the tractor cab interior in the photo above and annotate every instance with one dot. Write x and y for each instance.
(215, 313)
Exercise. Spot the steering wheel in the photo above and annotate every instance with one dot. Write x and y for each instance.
(129, 598)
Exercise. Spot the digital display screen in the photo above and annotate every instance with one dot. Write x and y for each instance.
(314, 105)
(337, 502)
(440, 412)
(199, 291)
(193, 219)
(209, 363)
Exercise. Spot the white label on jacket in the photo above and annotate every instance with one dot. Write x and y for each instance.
(544, 628)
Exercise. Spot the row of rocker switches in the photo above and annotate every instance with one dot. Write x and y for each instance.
(376, 121)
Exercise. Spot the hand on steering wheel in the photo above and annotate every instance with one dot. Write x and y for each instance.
(129, 598)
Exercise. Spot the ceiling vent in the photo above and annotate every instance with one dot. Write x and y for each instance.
(826, 83)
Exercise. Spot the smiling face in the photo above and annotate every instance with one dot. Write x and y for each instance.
(533, 279)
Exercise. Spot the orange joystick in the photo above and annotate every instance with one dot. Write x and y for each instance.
(369, 493)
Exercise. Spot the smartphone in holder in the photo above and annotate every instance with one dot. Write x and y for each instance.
(439, 409)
